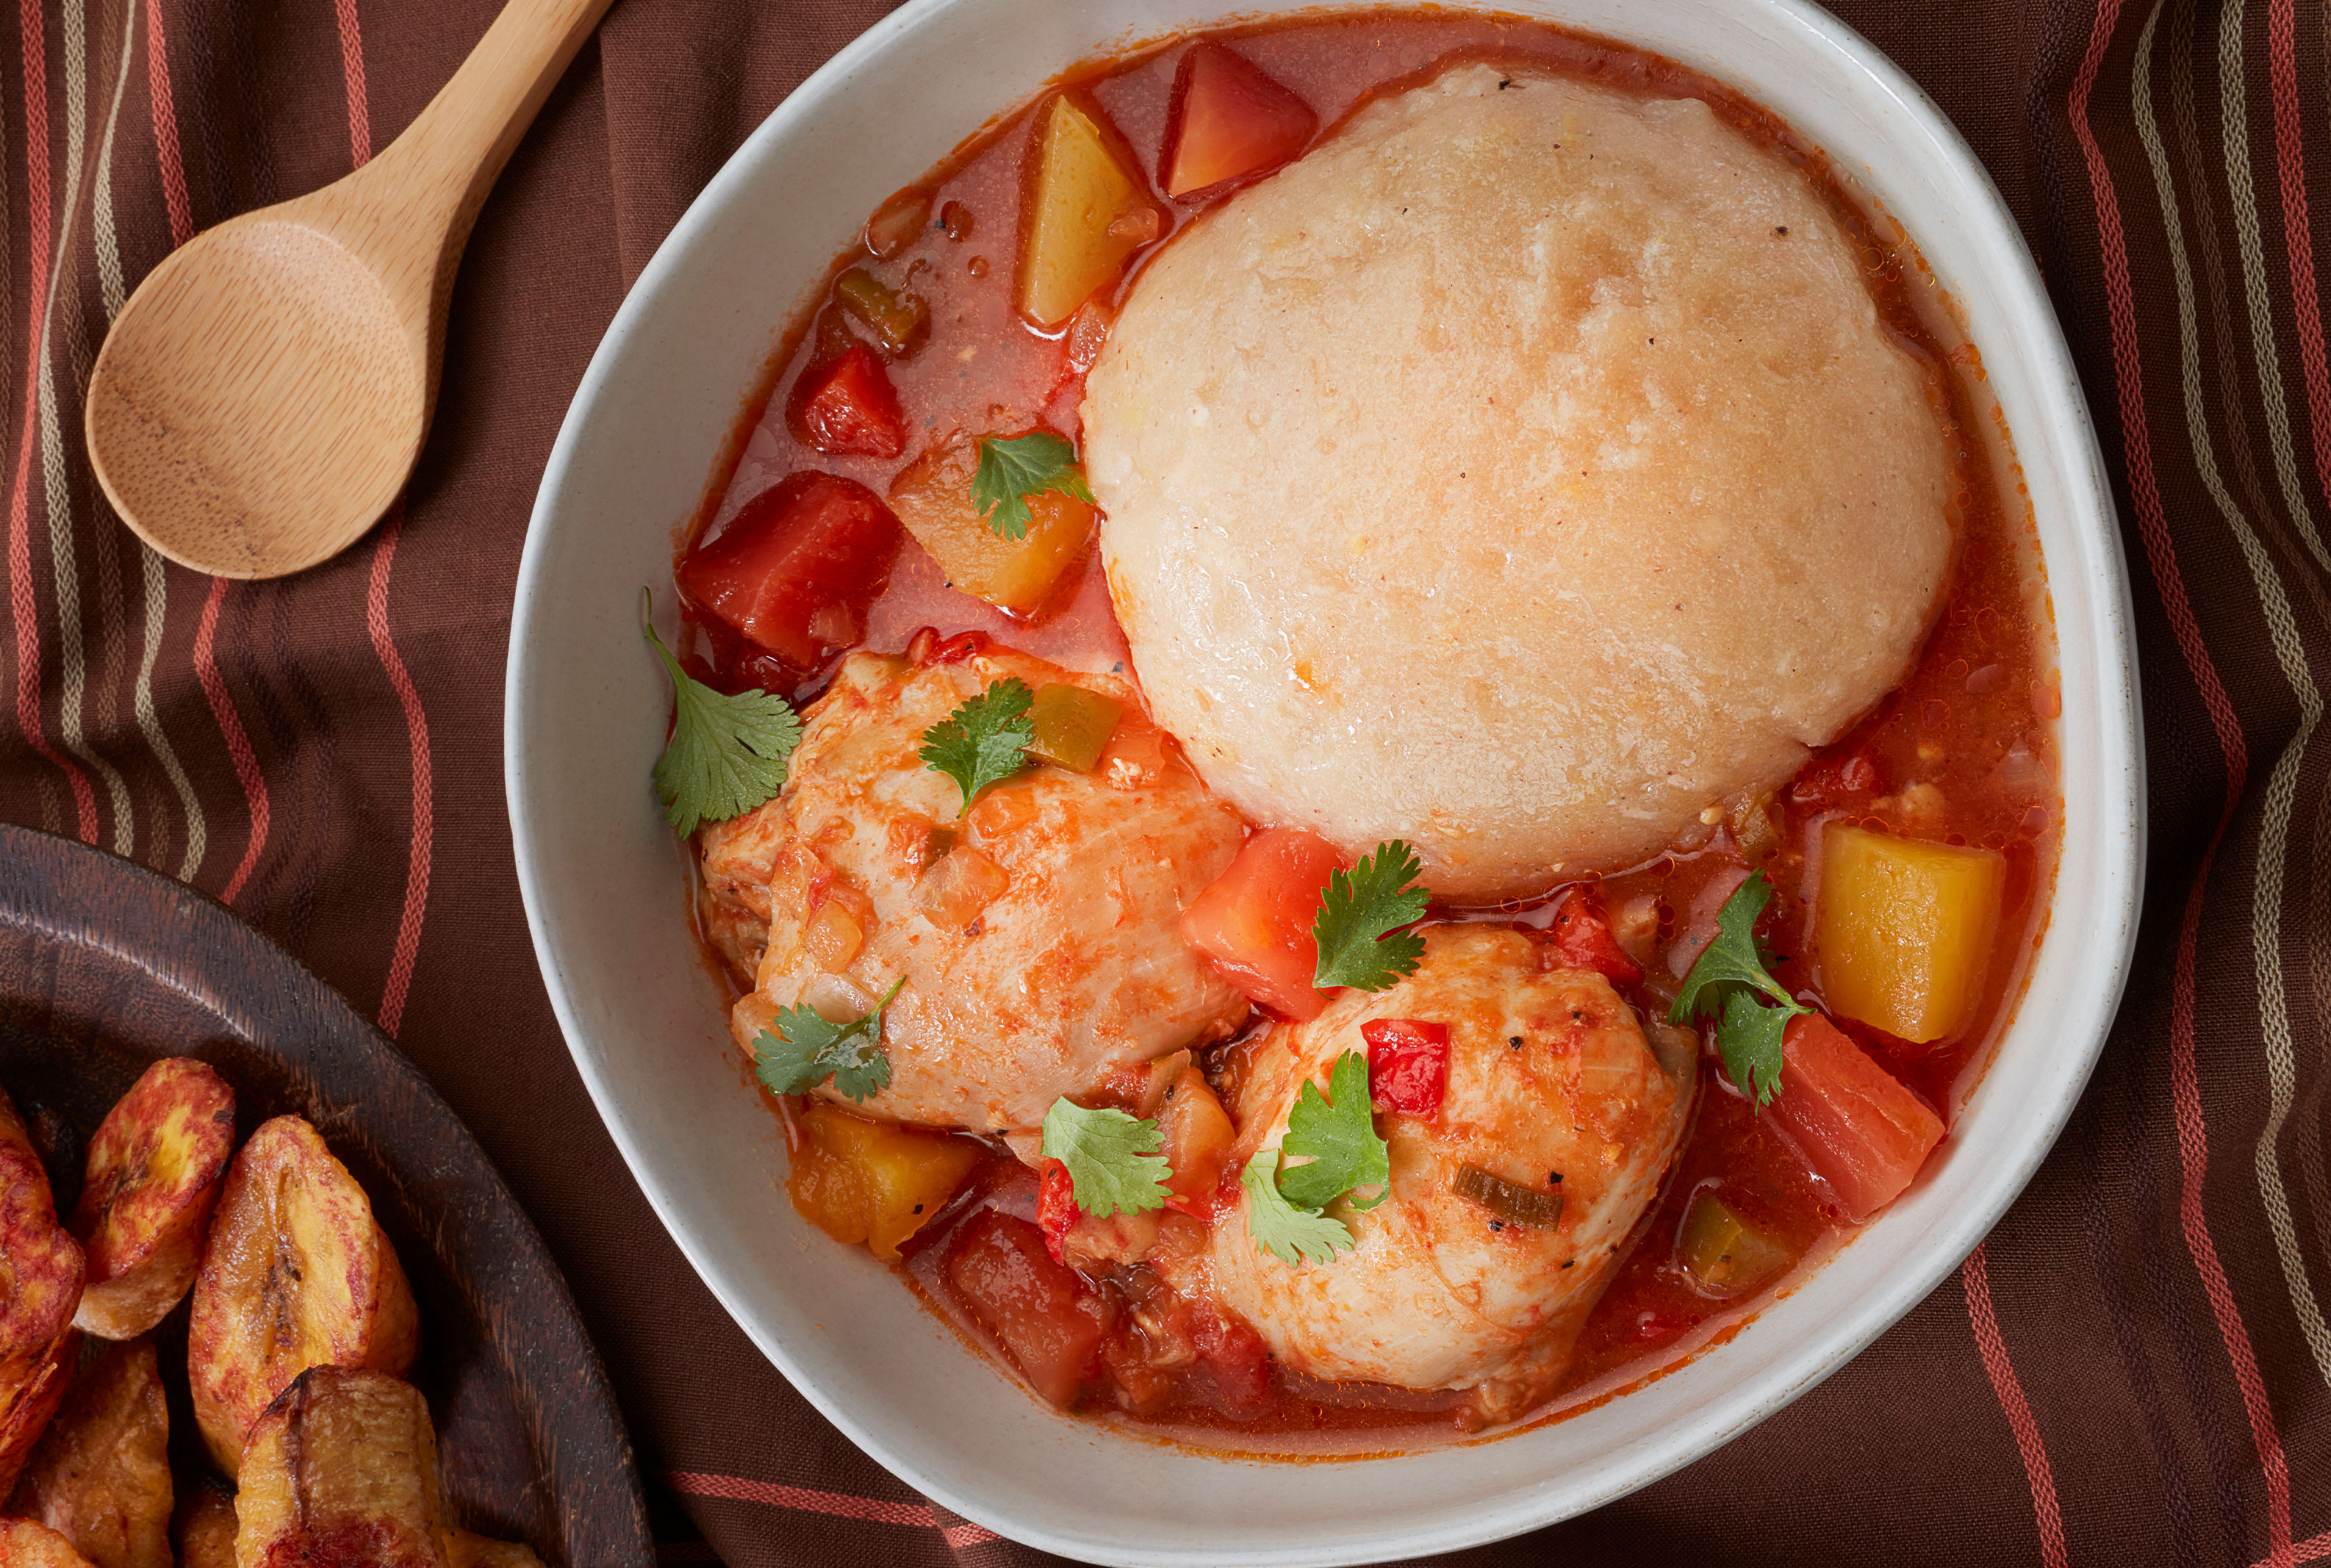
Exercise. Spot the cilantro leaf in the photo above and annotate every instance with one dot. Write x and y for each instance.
(727, 753)
(1294, 1235)
(1734, 958)
(1726, 982)
(807, 1048)
(1011, 471)
(1345, 1154)
(986, 741)
(1112, 1159)
(1748, 1039)
(1356, 911)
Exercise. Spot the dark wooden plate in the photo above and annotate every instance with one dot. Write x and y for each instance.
(106, 966)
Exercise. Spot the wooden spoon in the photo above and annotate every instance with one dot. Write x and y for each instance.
(262, 397)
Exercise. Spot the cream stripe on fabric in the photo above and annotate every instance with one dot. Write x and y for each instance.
(56, 485)
(2235, 119)
(2274, 833)
(155, 578)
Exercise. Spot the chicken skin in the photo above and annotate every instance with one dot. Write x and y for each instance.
(1552, 1086)
(1036, 935)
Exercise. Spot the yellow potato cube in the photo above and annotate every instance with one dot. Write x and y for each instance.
(932, 497)
(1086, 213)
(873, 1181)
(1902, 929)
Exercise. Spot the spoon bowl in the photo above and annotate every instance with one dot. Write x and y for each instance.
(259, 404)
(263, 396)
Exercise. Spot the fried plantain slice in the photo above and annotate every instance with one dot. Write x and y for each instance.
(341, 1469)
(463, 1550)
(100, 1475)
(297, 1274)
(40, 1271)
(26, 1545)
(205, 1526)
(152, 1179)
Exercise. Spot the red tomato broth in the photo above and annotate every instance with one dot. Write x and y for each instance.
(1962, 751)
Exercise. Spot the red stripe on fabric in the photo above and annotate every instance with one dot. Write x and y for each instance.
(384, 645)
(839, 1505)
(352, 67)
(2309, 1550)
(172, 165)
(23, 608)
(2161, 557)
(238, 743)
(166, 128)
(417, 733)
(961, 1535)
(2291, 165)
(1985, 1319)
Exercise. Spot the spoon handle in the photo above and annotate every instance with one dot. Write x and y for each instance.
(435, 177)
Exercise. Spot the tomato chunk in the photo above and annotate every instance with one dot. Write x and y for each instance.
(1838, 778)
(794, 570)
(1056, 1208)
(1408, 1064)
(1230, 121)
(1862, 1131)
(1254, 920)
(1048, 1319)
(1197, 1135)
(847, 406)
(1236, 1355)
(1582, 937)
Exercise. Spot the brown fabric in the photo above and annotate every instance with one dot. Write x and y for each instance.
(2135, 1369)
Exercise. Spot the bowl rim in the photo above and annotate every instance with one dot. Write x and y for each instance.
(2119, 813)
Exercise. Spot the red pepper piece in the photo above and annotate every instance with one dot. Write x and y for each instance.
(1581, 936)
(963, 645)
(1408, 1064)
(847, 406)
(1056, 1208)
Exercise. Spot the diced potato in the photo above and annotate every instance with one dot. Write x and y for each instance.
(1072, 725)
(1902, 929)
(1086, 213)
(1723, 1254)
(873, 1181)
(932, 497)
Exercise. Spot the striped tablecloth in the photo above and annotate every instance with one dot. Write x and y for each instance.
(2134, 1368)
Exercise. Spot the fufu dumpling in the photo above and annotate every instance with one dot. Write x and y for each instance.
(1519, 473)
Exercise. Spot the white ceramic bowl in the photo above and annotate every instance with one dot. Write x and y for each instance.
(604, 882)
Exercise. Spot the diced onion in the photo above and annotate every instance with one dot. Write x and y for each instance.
(954, 890)
(837, 998)
(833, 937)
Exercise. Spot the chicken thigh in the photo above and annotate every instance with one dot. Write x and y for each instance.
(1037, 935)
(1552, 1088)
